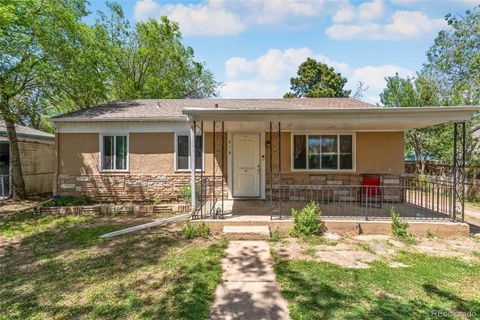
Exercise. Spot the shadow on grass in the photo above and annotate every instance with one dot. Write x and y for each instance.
(319, 290)
(71, 273)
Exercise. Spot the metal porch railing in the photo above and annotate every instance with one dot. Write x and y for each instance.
(412, 199)
(207, 204)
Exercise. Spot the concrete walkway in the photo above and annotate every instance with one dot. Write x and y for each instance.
(249, 290)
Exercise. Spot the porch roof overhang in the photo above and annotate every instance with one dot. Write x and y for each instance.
(380, 118)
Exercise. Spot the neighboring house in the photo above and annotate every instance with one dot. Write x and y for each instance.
(37, 156)
(140, 149)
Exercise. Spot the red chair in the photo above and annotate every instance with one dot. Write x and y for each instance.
(371, 190)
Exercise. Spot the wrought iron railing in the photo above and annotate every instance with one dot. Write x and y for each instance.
(208, 202)
(412, 199)
(5, 186)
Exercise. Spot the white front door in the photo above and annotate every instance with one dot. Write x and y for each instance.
(246, 165)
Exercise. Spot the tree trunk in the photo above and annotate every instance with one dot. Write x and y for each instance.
(16, 171)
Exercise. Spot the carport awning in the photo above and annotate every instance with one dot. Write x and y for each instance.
(338, 119)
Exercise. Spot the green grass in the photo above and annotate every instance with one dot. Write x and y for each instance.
(60, 268)
(320, 290)
(28, 223)
(366, 247)
(474, 203)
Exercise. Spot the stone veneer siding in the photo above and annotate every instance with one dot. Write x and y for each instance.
(137, 188)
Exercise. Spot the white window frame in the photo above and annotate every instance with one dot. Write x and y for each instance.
(116, 134)
(189, 162)
(325, 133)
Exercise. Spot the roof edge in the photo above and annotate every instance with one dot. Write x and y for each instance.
(131, 119)
(30, 135)
(187, 111)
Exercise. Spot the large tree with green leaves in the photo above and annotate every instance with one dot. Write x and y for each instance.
(454, 58)
(50, 61)
(148, 59)
(422, 143)
(41, 46)
(317, 80)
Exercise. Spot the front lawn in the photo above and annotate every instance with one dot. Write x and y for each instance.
(57, 267)
(426, 287)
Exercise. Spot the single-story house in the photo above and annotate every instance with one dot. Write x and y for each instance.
(37, 157)
(270, 150)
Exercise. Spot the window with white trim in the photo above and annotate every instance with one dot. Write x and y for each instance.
(183, 152)
(322, 152)
(114, 153)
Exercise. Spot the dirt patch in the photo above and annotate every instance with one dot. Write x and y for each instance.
(12, 206)
(361, 251)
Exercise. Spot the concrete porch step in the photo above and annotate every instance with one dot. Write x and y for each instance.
(242, 232)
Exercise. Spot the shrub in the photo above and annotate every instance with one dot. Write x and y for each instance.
(196, 230)
(157, 201)
(307, 222)
(186, 193)
(67, 201)
(399, 226)
(432, 234)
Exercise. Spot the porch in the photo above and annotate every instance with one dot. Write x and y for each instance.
(412, 200)
(273, 189)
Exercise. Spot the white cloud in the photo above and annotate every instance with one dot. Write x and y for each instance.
(345, 14)
(364, 12)
(271, 11)
(275, 64)
(208, 18)
(144, 9)
(219, 17)
(374, 78)
(423, 2)
(403, 24)
(268, 75)
(253, 89)
(371, 10)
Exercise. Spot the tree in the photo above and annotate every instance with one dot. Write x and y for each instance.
(149, 60)
(317, 80)
(454, 61)
(435, 141)
(454, 58)
(39, 47)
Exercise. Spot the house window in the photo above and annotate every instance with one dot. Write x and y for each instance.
(183, 152)
(114, 152)
(322, 152)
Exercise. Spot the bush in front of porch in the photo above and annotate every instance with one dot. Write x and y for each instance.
(307, 221)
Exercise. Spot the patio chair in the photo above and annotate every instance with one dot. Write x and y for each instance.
(371, 191)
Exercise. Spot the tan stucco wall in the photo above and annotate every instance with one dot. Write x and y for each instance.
(150, 153)
(78, 153)
(380, 152)
(153, 153)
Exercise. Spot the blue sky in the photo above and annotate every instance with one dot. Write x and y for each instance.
(254, 47)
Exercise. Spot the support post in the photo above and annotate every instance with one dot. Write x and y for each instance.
(192, 164)
(459, 159)
(214, 183)
(223, 163)
(464, 158)
(279, 170)
(201, 173)
(271, 170)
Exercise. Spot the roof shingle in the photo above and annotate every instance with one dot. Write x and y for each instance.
(166, 109)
